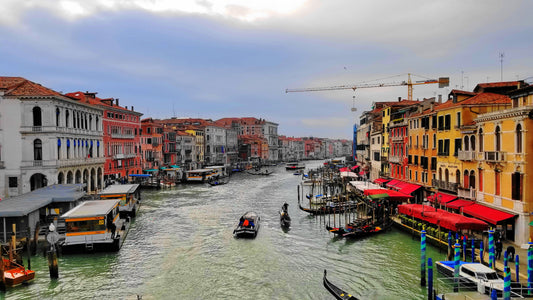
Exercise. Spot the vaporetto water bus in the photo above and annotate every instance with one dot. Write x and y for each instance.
(94, 225)
(199, 175)
(129, 196)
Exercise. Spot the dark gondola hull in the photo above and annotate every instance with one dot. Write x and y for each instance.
(335, 291)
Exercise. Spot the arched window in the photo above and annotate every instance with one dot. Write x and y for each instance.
(446, 176)
(519, 138)
(466, 143)
(37, 150)
(67, 115)
(473, 142)
(37, 118)
(497, 139)
(465, 179)
(481, 140)
(440, 174)
(472, 179)
(458, 177)
(57, 116)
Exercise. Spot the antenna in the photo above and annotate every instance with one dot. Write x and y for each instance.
(501, 66)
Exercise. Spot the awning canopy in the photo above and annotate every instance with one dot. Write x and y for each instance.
(393, 195)
(409, 188)
(344, 169)
(442, 197)
(378, 196)
(400, 185)
(151, 170)
(175, 167)
(392, 182)
(488, 214)
(450, 221)
(381, 180)
(457, 204)
(349, 174)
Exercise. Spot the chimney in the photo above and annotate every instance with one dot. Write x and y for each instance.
(432, 106)
(132, 108)
(399, 99)
(440, 98)
(126, 107)
(117, 101)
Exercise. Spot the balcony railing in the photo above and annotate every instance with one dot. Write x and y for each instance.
(122, 136)
(466, 193)
(466, 155)
(59, 129)
(124, 156)
(395, 159)
(443, 185)
(494, 156)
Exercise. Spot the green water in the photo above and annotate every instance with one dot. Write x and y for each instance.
(181, 247)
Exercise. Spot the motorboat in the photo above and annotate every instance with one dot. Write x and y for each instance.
(248, 225)
(477, 275)
(292, 166)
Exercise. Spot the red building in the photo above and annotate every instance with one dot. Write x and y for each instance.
(122, 129)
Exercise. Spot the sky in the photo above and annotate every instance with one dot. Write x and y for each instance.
(235, 58)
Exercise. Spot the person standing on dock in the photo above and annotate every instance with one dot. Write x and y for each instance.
(499, 248)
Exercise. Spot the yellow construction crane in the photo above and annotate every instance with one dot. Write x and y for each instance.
(442, 81)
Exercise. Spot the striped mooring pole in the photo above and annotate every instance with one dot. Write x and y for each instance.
(517, 267)
(464, 248)
(457, 257)
(430, 279)
(423, 258)
(473, 251)
(529, 267)
(506, 279)
(450, 246)
(481, 252)
(491, 249)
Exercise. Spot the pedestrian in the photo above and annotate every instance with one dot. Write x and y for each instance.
(499, 248)
(510, 253)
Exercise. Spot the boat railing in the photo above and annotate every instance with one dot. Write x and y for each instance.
(446, 284)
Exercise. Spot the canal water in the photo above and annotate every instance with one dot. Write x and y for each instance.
(181, 246)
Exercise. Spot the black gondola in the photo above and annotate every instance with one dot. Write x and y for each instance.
(337, 207)
(248, 225)
(218, 181)
(284, 218)
(335, 291)
(259, 172)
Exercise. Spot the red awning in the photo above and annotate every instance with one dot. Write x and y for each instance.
(392, 182)
(393, 195)
(345, 169)
(457, 204)
(450, 221)
(362, 173)
(380, 180)
(400, 185)
(488, 214)
(409, 188)
(442, 197)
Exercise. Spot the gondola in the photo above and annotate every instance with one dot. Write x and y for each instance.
(329, 209)
(259, 172)
(284, 218)
(248, 225)
(335, 291)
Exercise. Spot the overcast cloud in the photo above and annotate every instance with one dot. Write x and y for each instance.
(214, 59)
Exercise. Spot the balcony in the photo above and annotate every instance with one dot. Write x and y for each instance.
(122, 136)
(466, 155)
(81, 161)
(395, 159)
(124, 156)
(466, 193)
(397, 139)
(494, 156)
(443, 185)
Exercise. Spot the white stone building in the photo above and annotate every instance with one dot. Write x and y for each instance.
(47, 138)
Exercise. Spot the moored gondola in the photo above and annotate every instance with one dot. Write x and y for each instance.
(329, 208)
(335, 291)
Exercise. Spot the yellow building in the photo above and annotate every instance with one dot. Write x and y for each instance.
(505, 138)
(199, 145)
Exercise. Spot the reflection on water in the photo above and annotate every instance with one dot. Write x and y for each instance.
(181, 247)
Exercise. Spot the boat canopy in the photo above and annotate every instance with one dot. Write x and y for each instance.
(448, 220)
(393, 195)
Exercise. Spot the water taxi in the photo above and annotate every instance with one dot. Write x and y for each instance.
(248, 225)
(129, 196)
(94, 226)
(199, 175)
(294, 166)
(475, 275)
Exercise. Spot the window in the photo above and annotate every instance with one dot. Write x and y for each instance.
(37, 150)
(434, 122)
(473, 142)
(446, 147)
(517, 186)
(458, 119)
(457, 147)
(481, 140)
(466, 143)
(434, 140)
(13, 182)
(37, 118)
(57, 116)
(433, 163)
(441, 123)
(519, 138)
(497, 183)
(497, 139)
(447, 122)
